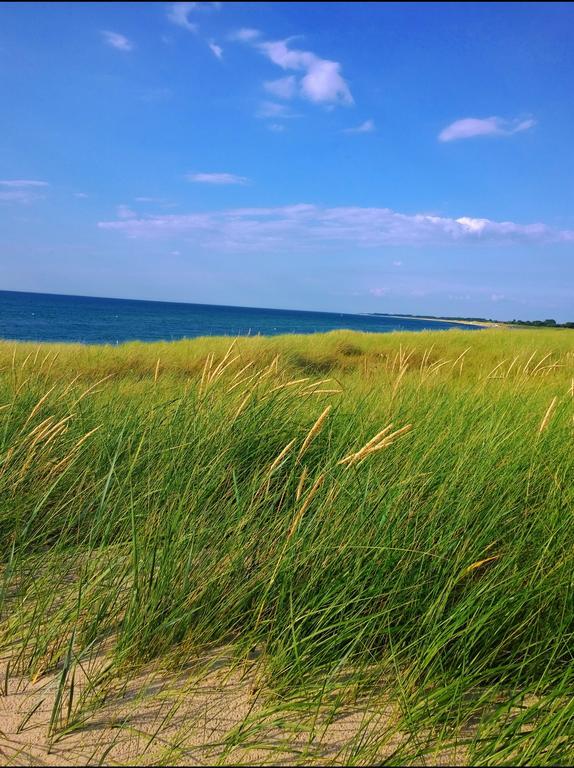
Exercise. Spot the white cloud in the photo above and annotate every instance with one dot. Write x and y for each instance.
(125, 212)
(272, 109)
(489, 126)
(20, 183)
(277, 127)
(310, 228)
(117, 41)
(284, 88)
(80, 195)
(216, 50)
(397, 263)
(18, 196)
(245, 35)
(367, 127)
(22, 191)
(179, 13)
(322, 82)
(217, 178)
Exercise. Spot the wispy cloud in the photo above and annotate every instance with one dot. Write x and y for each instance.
(244, 35)
(367, 127)
(22, 191)
(217, 178)
(284, 88)
(216, 50)
(125, 212)
(21, 183)
(117, 41)
(310, 228)
(179, 13)
(321, 82)
(274, 110)
(469, 127)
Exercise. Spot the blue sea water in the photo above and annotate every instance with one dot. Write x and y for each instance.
(91, 320)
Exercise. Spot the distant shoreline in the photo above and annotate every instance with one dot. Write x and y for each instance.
(481, 323)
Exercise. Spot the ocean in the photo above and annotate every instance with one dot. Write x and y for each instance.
(91, 320)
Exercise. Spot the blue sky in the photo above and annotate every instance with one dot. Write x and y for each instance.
(396, 157)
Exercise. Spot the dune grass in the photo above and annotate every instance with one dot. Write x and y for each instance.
(371, 517)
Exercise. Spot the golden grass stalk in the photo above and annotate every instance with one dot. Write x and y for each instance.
(398, 380)
(156, 372)
(206, 369)
(478, 564)
(223, 364)
(496, 367)
(380, 441)
(373, 441)
(37, 407)
(271, 368)
(321, 392)
(282, 455)
(511, 366)
(530, 359)
(74, 450)
(305, 506)
(314, 431)
(301, 483)
(90, 389)
(289, 384)
(547, 415)
(461, 358)
(538, 365)
(240, 371)
(242, 405)
(244, 380)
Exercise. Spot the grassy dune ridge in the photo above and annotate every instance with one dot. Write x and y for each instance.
(361, 518)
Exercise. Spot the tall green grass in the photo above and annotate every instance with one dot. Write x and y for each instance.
(163, 501)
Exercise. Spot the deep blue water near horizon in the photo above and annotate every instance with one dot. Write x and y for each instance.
(91, 320)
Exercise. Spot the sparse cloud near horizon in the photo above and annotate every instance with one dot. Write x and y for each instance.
(469, 127)
(311, 227)
(217, 178)
(22, 183)
(22, 191)
(125, 212)
(117, 41)
(367, 127)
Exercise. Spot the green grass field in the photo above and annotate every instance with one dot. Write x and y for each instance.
(363, 522)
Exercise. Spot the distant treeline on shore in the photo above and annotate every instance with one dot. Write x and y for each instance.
(533, 323)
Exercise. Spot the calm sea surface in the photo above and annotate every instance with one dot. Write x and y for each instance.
(90, 320)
